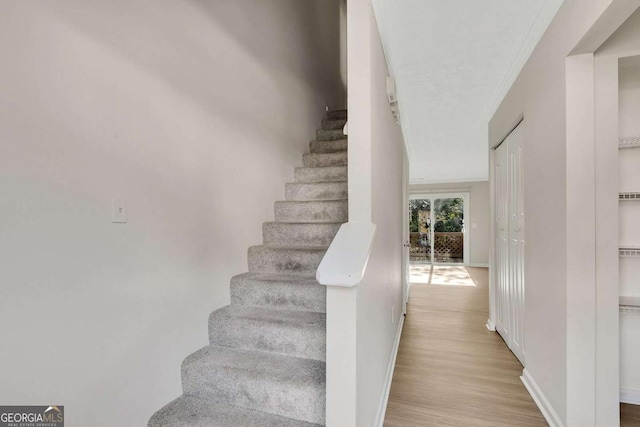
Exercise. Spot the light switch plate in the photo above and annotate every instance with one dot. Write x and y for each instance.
(119, 211)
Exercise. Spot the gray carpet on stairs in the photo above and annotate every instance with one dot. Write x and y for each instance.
(264, 365)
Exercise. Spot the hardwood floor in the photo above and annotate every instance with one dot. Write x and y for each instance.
(629, 415)
(452, 371)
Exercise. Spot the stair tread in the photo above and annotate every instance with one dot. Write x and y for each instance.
(291, 247)
(336, 115)
(189, 411)
(271, 315)
(342, 182)
(299, 233)
(321, 174)
(333, 123)
(323, 168)
(339, 158)
(284, 369)
(330, 134)
(288, 332)
(316, 182)
(316, 191)
(283, 385)
(319, 211)
(286, 291)
(277, 277)
(302, 223)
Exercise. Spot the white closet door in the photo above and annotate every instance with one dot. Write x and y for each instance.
(516, 242)
(501, 182)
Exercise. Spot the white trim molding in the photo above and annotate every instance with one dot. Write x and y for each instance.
(384, 398)
(537, 29)
(490, 325)
(541, 401)
(632, 397)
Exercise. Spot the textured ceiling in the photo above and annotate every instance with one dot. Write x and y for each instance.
(453, 61)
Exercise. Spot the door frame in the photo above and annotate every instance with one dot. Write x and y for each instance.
(432, 195)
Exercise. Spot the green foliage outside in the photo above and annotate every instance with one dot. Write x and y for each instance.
(416, 206)
(449, 214)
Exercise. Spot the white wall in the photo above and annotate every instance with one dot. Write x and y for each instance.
(478, 213)
(625, 83)
(538, 94)
(629, 351)
(195, 113)
(376, 156)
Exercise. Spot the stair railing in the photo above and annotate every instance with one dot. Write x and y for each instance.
(341, 271)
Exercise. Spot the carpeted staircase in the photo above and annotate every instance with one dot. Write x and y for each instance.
(265, 362)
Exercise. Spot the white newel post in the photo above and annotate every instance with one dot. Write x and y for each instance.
(341, 356)
(342, 270)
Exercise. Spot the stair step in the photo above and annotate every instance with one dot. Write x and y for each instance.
(333, 124)
(279, 291)
(316, 190)
(317, 211)
(326, 174)
(282, 385)
(189, 411)
(315, 160)
(329, 134)
(328, 146)
(337, 115)
(283, 259)
(287, 332)
(299, 234)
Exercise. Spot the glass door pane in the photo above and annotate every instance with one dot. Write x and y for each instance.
(419, 230)
(448, 239)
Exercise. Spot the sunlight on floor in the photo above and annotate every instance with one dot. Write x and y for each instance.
(443, 275)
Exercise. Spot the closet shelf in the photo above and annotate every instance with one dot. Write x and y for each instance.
(629, 252)
(629, 142)
(628, 301)
(629, 196)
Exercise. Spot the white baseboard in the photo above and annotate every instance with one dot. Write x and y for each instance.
(384, 398)
(543, 404)
(490, 325)
(478, 264)
(631, 397)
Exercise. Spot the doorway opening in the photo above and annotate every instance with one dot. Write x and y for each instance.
(437, 232)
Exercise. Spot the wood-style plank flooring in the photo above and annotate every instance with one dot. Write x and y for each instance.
(629, 416)
(452, 371)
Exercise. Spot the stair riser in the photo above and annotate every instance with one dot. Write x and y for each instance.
(333, 124)
(328, 174)
(224, 385)
(329, 135)
(317, 160)
(337, 115)
(188, 411)
(316, 191)
(328, 146)
(318, 212)
(266, 259)
(301, 340)
(285, 234)
(289, 296)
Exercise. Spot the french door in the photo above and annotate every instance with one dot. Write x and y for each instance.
(509, 241)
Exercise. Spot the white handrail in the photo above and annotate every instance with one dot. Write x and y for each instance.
(346, 260)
